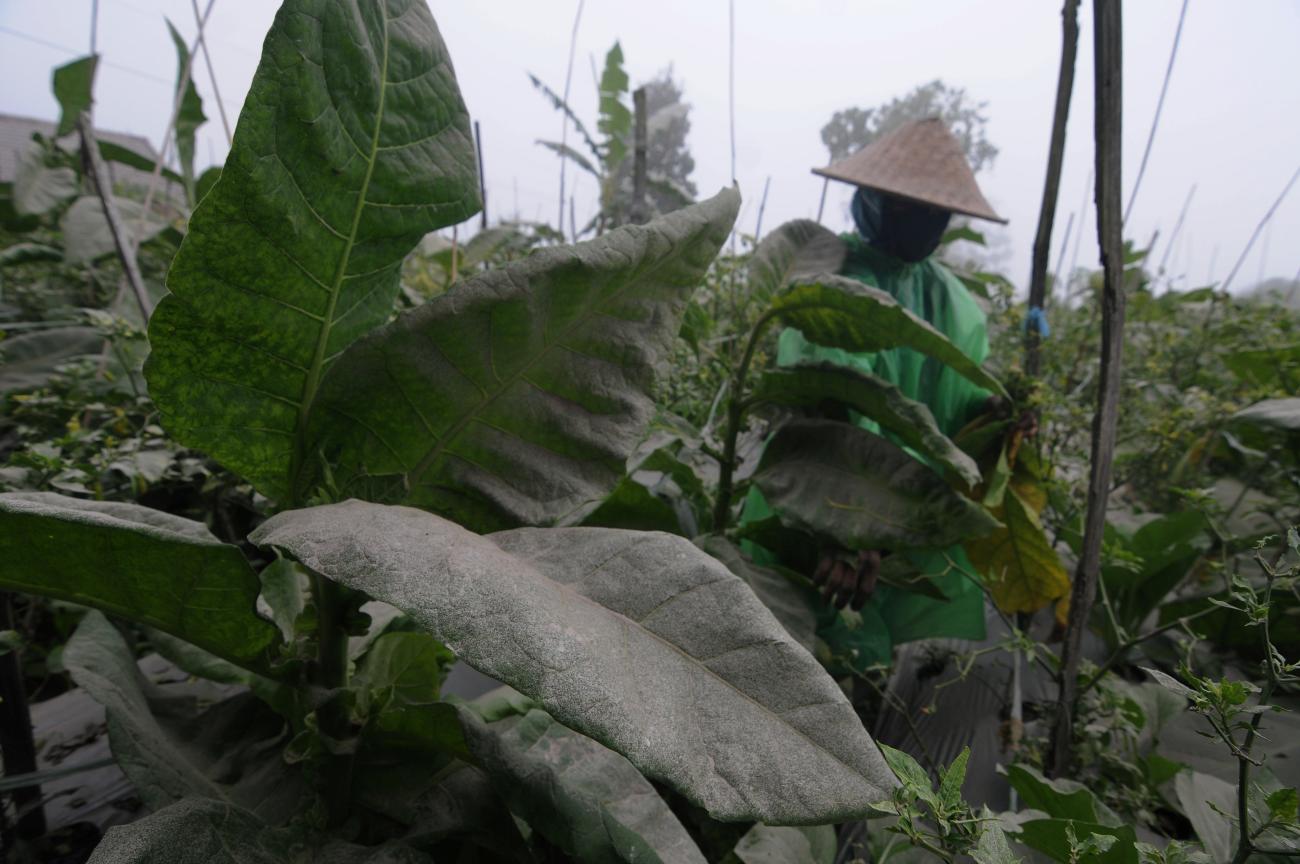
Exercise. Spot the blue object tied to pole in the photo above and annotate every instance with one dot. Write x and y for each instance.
(1037, 320)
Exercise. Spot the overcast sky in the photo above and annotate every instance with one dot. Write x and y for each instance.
(1231, 123)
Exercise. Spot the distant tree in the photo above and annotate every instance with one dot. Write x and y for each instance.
(853, 128)
(669, 163)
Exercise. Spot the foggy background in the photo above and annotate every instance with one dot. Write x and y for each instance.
(1231, 121)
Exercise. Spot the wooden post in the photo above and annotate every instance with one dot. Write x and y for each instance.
(640, 212)
(1108, 117)
(1052, 185)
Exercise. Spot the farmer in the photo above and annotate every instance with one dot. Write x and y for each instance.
(910, 183)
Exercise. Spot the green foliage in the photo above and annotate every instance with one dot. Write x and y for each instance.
(73, 85)
(296, 251)
(860, 489)
(539, 390)
(632, 594)
(189, 116)
(853, 128)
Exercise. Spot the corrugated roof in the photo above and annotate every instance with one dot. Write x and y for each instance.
(16, 133)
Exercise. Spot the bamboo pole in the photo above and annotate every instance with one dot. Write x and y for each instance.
(1052, 183)
(125, 244)
(171, 125)
(762, 205)
(1259, 228)
(212, 73)
(564, 118)
(1108, 65)
(1160, 105)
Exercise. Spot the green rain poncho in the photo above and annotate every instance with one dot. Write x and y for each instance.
(933, 293)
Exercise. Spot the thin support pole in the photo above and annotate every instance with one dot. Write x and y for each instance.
(1160, 104)
(122, 240)
(212, 73)
(564, 118)
(821, 205)
(1083, 220)
(171, 126)
(1060, 258)
(1178, 227)
(1259, 228)
(1107, 17)
(482, 183)
(762, 205)
(1052, 183)
(94, 26)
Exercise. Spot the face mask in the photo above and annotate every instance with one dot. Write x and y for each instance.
(904, 229)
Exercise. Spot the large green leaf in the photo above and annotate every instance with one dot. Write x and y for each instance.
(638, 640)
(353, 143)
(1051, 837)
(189, 116)
(797, 249)
(837, 480)
(795, 605)
(840, 312)
(31, 359)
(809, 384)
(209, 832)
(582, 796)
(74, 85)
(136, 563)
(170, 754)
(1019, 564)
(516, 397)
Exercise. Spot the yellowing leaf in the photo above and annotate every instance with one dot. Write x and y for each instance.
(1021, 568)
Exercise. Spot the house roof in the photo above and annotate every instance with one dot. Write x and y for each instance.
(16, 133)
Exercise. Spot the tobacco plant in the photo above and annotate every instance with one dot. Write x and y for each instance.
(425, 472)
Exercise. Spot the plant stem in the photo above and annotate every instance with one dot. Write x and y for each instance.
(735, 415)
(332, 674)
(16, 741)
(1245, 846)
(1108, 121)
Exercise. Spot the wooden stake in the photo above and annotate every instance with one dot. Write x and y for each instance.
(639, 210)
(1108, 65)
(1052, 185)
(564, 118)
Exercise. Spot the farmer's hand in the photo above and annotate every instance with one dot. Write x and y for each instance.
(847, 578)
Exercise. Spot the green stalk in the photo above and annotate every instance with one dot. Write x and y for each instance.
(332, 674)
(1245, 846)
(736, 405)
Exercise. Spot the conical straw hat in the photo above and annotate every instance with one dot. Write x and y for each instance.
(921, 161)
